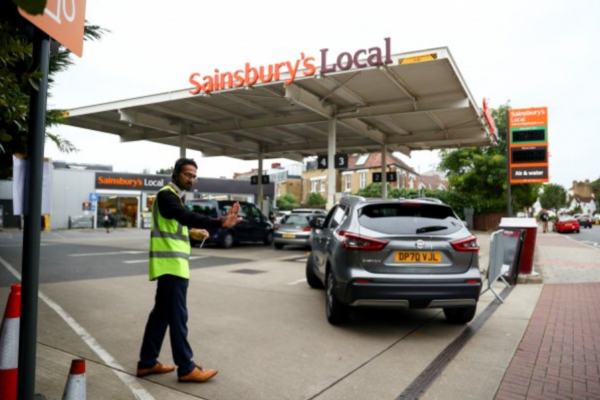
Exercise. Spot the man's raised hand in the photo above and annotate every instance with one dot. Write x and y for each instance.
(232, 218)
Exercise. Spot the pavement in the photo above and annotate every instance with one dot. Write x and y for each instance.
(559, 355)
(543, 342)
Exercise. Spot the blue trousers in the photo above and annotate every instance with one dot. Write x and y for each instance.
(170, 310)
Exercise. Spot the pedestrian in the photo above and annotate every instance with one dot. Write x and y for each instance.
(169, 266)
(106, 220)
(544, 217)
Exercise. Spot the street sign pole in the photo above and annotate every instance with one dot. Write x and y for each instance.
(31, 236)
(508, 194)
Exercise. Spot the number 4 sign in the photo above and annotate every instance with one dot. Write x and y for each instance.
(64, 21)
(340, 161)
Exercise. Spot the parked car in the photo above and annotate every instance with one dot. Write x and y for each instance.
(566, 223)
(596, 219)
(585, 221)
(316, 212)
(293, 229)
(407, 253)
(254, 227)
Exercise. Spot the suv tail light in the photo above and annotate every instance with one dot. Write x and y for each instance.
(353, 241)
(306, 229)
(469, 244)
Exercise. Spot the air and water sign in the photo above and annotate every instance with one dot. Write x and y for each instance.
(528, 145)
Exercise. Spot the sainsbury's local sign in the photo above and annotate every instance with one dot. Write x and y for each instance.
(112, 180)
(307, 66)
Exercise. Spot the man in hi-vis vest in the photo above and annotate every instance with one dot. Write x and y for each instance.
(169, 265)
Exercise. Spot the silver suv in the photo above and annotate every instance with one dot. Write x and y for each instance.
(394, 253)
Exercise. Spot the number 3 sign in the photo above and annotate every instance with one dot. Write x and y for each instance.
(64, 21)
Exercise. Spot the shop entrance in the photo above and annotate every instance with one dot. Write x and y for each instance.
(123, 210)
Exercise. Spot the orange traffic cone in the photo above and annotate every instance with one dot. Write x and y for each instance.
(75, 387)
(9, 345)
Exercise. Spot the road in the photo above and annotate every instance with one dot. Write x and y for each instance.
(588, 236)
(253, 317)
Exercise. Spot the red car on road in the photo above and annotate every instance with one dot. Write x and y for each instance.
(566, 224)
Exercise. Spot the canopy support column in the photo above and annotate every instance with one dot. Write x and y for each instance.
(331, 163)
(384, 193)
(260, 184)
(183, 142)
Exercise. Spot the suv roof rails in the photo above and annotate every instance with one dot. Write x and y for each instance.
(351, 199)
(429, 199)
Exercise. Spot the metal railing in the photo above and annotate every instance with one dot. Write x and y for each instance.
(81, 222)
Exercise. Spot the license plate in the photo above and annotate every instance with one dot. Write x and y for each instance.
(288, 236)
(425, 257)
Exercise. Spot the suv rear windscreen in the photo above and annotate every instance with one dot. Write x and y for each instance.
(207, 209)
(409, 219)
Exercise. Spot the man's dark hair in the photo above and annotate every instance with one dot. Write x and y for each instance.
(179, 164)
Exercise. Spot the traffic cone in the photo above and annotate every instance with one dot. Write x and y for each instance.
(9, 345)
(75, 387)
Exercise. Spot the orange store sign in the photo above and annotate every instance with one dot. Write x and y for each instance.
(64, 21)
(528, 117)
(250, 75)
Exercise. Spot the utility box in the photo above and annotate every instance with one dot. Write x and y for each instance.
(530, 227)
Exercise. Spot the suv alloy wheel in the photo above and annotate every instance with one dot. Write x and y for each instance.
(337, 313)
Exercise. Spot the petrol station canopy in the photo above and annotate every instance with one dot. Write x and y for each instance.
(412, 101)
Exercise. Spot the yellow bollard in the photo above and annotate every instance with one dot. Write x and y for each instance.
(46, 222)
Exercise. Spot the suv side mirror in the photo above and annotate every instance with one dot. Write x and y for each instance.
(466, 224)
(316, 223)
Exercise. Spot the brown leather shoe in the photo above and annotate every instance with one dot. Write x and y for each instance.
(157, 369)
(198, 375)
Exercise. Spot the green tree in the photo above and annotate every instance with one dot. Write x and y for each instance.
(315, 200)
(287, 202)
(553, 197)
(18, 77)
(479, 173)
(525, 196)
(165, 171)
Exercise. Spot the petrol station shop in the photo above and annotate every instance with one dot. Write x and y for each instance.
(80, 194)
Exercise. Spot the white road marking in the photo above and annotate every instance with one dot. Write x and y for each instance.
(297, 282)
(146, 260)
(108, 253)
(583, 242)
(20, 244)
(138, 391)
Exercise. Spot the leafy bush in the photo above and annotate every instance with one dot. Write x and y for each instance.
(315, 199)
(287, 202)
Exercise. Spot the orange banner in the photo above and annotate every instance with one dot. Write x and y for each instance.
(62, 20)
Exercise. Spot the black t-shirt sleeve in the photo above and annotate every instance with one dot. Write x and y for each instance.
(170, 207)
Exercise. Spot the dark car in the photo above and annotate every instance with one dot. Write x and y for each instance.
(313, 212)
(394, 253)
(585, 221)
(254, 227)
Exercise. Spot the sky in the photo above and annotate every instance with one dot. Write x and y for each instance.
(531, 53)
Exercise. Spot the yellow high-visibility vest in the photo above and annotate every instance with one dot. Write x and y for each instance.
(169, 244)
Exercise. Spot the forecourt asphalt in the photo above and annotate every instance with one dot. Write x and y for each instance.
(253, 317)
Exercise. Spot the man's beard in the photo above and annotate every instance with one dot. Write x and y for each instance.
(185, 186)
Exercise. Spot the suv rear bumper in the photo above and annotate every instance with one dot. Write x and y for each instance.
(412, 295)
